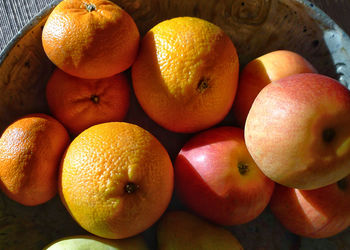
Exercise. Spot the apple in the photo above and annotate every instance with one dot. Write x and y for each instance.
(216, 177)
(81, 242)
(318, 213)
(183, 230)
(262, 71)
(298, 131)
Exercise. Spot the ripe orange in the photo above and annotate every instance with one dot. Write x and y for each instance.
(185, 75)
(116, 179)
(80, 103)
(30, 152)
(90, 39)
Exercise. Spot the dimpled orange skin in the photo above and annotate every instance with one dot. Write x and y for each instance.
(90, 39)
(30, 153)
(105, 161)
(185, 75)
(80, 103)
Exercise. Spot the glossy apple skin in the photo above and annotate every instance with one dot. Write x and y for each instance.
(208, 180)
(262, 71)
(318, 213)
(298, 131)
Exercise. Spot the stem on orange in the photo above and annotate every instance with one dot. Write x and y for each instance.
(90, 7)
(203, 85)
(131, 187)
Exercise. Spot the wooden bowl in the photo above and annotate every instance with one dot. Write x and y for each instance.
(255, 26)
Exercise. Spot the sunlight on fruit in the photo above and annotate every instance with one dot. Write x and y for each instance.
(344, 148)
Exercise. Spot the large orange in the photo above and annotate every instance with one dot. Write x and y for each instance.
(80, 103)
(30, 153)
(116, 179)
(185, 75)
(90, 39)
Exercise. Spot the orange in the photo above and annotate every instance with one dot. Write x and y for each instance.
(185, 75)
(116, 180)
(80, 103)
(90, 39)
(30, 153)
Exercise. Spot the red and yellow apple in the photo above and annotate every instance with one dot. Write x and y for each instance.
(217, 179)
(317, 213)
(262, 71)
(298, 131)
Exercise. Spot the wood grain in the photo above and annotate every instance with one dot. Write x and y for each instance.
(15, 14)
(255, 29)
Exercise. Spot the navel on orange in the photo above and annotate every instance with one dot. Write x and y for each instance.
(185, 75)
(116, 179)
(30, 152)
(80, 103)
(90, 39)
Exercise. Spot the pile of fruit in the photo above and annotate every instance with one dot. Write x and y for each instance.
(288, 147)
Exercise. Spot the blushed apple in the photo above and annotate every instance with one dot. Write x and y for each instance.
(318, 213)
(262, 71)
(298, 131)
(216, 177)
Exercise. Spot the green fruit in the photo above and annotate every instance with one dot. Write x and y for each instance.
(87, 242)
(179, 230)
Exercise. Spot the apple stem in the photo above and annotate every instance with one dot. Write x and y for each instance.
(328, 135)
(95, 99)
(242, 168)
(131, 187)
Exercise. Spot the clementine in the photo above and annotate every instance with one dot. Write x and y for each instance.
(185, 75)
(80, 103)
(116, 179)
(90, 39)
(30, 153)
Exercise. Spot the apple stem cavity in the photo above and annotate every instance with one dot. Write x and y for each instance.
(328, 135)
(342, 184)
(95, 99)
(203, 85)
(242, 168)
(131, 187)
(90, 7)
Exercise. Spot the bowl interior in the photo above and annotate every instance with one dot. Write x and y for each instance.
(256, 27)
